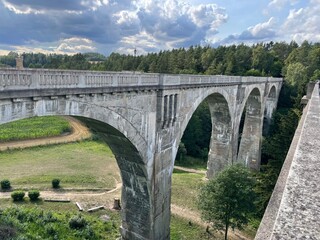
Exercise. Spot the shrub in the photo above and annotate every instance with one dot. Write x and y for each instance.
(33, 195)
(56, 183)
(5, 184)
(7, 232)
(50, 229)
(77, 222)
(17, 195)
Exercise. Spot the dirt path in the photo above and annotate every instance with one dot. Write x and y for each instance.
(79, 132)
(89, 199)
(190, 170)
(194, 217)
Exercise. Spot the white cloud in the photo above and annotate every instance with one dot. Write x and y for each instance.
(29, 49)
(75, 45)
(280, 4)
(165, 24)
(303, 24)
(124, 17)
(41, 7)
(77, 40)
(64, 46)
(265, 31)
(4, 52)
(208, 15)
(179, 23)
(142, 42)
(102, 21)
(262, 30)
(20, 10)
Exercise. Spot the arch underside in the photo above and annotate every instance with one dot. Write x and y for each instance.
(135, 188)
(221, 107)
(270, 106)
(250, 144)
(224, 149)
(136, 197)
(220, 150)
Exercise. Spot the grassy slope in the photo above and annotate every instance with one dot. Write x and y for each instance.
(180, 228)
(79, 165)
(62, 212)
(185, 188)
(35, 127)
(85, 164)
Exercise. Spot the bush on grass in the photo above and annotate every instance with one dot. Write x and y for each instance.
(56, 183)
(33, 195)
(77, 222)
(5, 184)
(17, 195)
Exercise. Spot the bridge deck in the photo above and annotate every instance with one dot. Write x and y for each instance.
(294, 209)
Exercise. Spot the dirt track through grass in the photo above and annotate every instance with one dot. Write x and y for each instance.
(88, 165)
(80, 165)
(79, 132)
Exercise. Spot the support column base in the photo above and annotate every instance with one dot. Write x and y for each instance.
(129, 235)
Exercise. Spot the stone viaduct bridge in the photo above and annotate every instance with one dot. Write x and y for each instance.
(142, 118)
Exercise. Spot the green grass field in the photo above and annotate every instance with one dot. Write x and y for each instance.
(35, 127)
(79, 165)
(91, 165)
(192, 162)
(180, 228)
(185, 188)
(41, 220)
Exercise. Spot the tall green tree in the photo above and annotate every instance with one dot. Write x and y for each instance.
(228, 200)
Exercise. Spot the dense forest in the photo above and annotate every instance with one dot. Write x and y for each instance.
(298, 64)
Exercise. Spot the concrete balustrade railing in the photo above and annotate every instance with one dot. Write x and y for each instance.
(26, 79)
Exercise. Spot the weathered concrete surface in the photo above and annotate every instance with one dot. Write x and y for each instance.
(270, 106)
(293, 211)
(250, 145)
(143, 117)
(220, 153)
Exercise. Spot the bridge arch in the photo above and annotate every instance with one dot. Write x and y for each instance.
(220, 103)
(128, 146)
(198, 100)
(220, 149)
(250, 144)
(271, 101)
(272, 92)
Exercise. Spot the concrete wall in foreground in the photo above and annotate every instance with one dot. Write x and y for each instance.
(293, 211)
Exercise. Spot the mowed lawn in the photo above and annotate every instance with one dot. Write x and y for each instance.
(80, 165)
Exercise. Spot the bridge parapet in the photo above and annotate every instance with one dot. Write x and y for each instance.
(12, 79)
(27, 79)
(293, 211)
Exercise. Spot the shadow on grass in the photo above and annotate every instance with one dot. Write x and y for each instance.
(179, 171)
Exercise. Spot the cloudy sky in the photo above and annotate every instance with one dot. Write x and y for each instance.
(105, 26)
